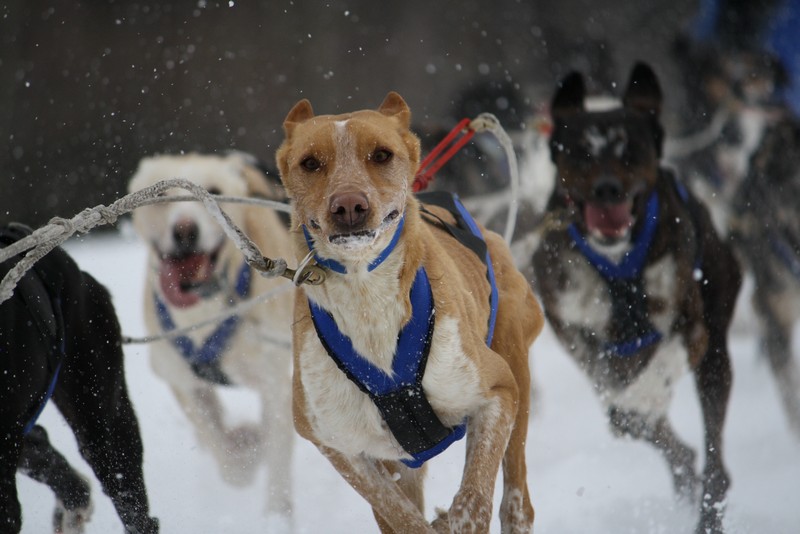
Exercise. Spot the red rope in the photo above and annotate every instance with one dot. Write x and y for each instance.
(436, 159)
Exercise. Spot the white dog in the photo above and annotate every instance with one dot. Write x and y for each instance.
(194, 273)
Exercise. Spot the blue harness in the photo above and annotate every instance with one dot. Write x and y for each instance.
(204, 360)
(399, 397)
(625, 284)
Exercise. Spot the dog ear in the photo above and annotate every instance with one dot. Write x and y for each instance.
(394, 106)
(569, 96)
(643, 92)
(301, 112)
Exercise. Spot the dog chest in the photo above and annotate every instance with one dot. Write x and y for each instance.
(345, 418)
(584, 300)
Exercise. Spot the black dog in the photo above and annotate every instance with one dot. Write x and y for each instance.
(637, 286)
(59, 337)
(765, 228)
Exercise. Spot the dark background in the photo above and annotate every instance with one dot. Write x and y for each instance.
(88, 88)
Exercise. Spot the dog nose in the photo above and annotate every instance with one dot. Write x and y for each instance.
(349, 210)
(185, 233)
(608, 189)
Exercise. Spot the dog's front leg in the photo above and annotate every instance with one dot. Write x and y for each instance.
(370, 478)
(488, 432)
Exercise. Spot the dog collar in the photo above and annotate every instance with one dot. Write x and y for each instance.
(337, 267)
(204, 360)
(398, 396)
(633, 261)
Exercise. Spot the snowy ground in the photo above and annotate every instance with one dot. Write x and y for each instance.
(582, 479)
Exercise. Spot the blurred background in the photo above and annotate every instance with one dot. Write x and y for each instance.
(88, 88)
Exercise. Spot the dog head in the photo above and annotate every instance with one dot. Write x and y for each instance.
(349, 176)
(607, 161)
(191, 252)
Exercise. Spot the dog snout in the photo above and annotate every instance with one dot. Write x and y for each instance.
(608, 189)
(185, 234)
(349, 210)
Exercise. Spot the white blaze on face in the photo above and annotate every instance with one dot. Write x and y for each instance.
(598, 142)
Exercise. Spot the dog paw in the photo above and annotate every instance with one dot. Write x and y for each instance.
(470, 512)
(242, 455)
(71, 521)
(441, 524)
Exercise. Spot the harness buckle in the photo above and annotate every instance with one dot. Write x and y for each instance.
(306, 273)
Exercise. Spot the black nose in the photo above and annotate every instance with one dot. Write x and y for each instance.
(349, 210)
(185, 234)
(608, 189)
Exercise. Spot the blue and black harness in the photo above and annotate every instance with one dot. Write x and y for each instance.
(205, 359)
(399, 397)
(625, 282)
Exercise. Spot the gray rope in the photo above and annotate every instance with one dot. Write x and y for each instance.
(241, 307)
(58, 230)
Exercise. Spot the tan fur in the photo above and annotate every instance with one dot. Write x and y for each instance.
(253, 359)
(464, 378)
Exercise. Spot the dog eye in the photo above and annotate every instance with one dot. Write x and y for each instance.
(381, 156)
(310, 164)
(214, 191)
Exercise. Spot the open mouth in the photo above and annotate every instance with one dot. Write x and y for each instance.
(609, 223)
(185, 278)
(363, 237)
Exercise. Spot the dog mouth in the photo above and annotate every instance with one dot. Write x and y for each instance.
(609, 222)
(361, 238)
(186, 278)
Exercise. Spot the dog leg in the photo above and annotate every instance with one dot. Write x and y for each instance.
(777, 344)
(40, 461)
(278, 436)
(680, 457)
(10, 449)
(391, 505)
(516, 510)
(713, 378)
(410, 482)
(488, 434)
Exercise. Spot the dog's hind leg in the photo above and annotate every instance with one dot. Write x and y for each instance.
(43, 463)
(93, 397)
(488, 434)
(516, 510)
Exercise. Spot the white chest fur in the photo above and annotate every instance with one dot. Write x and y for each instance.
(345, 418)
(585, 301)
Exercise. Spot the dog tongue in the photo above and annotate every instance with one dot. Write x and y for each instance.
(178, 275)
(610, 220)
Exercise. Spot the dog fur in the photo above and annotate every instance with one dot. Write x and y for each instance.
(766, 231)
(258, 355)
(608, 167)
(57, 305)
(349, 179)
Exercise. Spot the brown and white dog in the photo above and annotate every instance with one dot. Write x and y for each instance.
(638, 287)
(349, 179)
(195, 273)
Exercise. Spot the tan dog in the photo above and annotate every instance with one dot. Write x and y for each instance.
(349, 178)
(195, 273)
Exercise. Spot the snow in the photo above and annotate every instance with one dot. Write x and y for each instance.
(582, 479)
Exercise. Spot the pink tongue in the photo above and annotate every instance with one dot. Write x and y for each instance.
(610, 220)
(174, 273)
